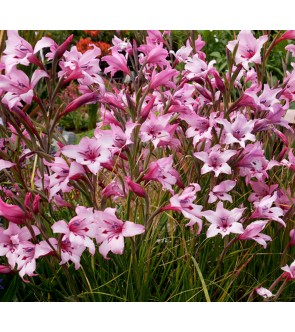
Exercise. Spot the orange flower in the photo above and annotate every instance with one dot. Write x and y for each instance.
(84, 44)
(92, 33)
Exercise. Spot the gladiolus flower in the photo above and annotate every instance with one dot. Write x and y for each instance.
(215, 160)
(111, 232)
(252, 232)
(263, 292)
(248, 49)
(224, 221)
(116, 62)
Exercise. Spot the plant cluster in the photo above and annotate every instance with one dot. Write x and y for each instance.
(189, 164)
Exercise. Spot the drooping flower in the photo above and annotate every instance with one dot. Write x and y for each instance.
(263, 292)
(261, 189)
(252, 232)
(220, 191)
(289, 271)
(163, 172)
(111, 232)
(265, 210)
(224, 221)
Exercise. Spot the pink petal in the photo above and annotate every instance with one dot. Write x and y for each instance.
(131, 229)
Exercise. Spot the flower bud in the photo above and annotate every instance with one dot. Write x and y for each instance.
(36, 204)
(63, 47)
(5, 269)
(135, 187)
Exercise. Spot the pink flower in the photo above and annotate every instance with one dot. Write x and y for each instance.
(11, 238)
(17, 50)
(220, 191)
(163, 78)
(158, 130)
(111, 232)
(284, 199)
(87, 98)
(26, 262)
(289, 271)
(46, 42)
(183, 53)
(239, 131)
(5, 269)
(5, 164)
(289, 34)
(12, 213)
(115, 189)
(248, 49)
(68, 251)
(154, 54)
(266, 100)
(79, 230)
(252, 232)
(89, 152)
(19, 87)
(122, 45)
(275, 117)
(291, 162)
(254, 164)
(163, 172)
(224, 221)
(135, 187)
(264, 209)
(292, 237)
(291, 48)
(87, 64)
(263, 292)
(215, 160)
(116, 62)
(62, 174)
(261, 189)
(197, 68)
(184, 203)
(155, 37)
(200, 128)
